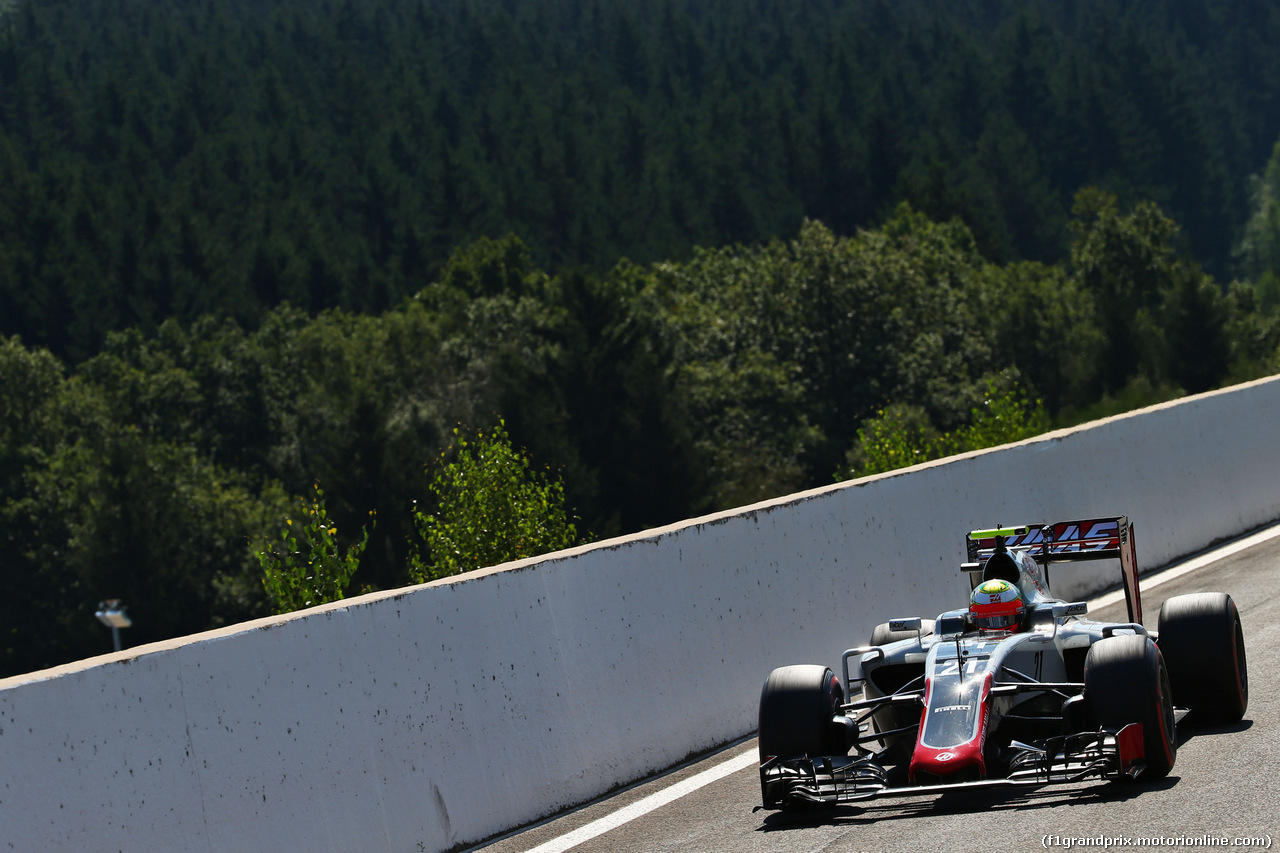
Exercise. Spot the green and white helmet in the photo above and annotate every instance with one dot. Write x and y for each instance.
(996, 605)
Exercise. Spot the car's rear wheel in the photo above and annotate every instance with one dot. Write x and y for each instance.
(882, 636)
(1126, 681)
(797, 704)
(1203, 644)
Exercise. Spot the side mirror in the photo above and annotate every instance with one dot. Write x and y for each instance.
(1074, 608)
(912, 624)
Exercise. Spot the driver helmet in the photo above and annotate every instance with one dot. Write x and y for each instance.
(996, 605)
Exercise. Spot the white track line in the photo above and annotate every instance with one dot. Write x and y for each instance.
(600, 826)
(629, 813)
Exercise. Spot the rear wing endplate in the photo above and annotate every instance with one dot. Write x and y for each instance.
(1066, 542)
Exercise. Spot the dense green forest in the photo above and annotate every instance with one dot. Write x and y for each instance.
(691, 253)
(173, 158)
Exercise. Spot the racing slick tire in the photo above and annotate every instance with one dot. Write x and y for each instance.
(1126, 681)
(796, 707)
(1203, 645)
(882, 636)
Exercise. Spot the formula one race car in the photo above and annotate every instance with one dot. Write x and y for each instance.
(1018, 689)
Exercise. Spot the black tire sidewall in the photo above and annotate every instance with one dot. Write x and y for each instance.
(1203, 644)
(796, 706)
(1126, 681)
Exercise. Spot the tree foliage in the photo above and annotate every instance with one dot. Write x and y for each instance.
(901, 435)
(492, 507)
(93, 506)
(657, 391)
(1160, 315)
(1258, 252)
(304, 566)
(163, 159)
(689, 255)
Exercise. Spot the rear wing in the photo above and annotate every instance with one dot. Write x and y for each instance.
(1066, 542)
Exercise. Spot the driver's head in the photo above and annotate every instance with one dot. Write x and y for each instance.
(996, 605)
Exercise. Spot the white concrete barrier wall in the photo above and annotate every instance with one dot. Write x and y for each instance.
(444, 714)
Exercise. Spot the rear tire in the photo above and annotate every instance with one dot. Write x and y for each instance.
(1203, 644)
(1126, 681)
(882, 636)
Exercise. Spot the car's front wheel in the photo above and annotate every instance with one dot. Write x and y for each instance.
(1126, 681)
(797, 705)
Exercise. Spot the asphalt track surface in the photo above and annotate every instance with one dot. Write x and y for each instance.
(1223, 792)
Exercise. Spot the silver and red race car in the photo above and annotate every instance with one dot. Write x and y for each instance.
(1055, 697)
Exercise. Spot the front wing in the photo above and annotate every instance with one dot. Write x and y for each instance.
(831, 780)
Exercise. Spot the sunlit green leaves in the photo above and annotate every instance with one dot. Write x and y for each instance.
(900, 436)
(492, 507)
(304, 565)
